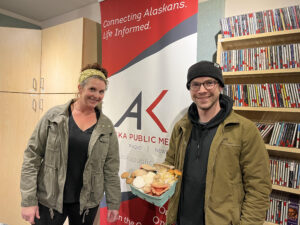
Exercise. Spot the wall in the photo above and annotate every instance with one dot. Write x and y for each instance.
(209, 14)
(7, 21)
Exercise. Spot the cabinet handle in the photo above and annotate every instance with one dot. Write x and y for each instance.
(34, 84)
(33, 105)
(42, 83)
(41, 104)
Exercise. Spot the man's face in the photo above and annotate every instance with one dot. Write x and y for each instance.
(205, 98)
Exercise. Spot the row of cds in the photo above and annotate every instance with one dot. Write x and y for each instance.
(284, 134)
(286, 18)
(284, 209)
(265, 129)
(279, 95)
(261, 58)
(285, 172)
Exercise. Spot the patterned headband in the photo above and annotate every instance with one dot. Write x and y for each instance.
(90, 72)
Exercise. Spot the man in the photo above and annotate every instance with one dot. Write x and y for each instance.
(226, 177)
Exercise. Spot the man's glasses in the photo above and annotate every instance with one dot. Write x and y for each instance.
(208, 85)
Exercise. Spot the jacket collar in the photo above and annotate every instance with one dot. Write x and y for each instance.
(185, 123)
(231, 119)
(63, 111)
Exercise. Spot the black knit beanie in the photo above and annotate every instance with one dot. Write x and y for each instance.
(205, 69)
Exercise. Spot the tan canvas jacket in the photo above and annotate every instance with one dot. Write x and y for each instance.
(45, 163)
(238, 177)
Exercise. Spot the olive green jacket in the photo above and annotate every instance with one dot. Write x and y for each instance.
(45, 163)
(238, 175)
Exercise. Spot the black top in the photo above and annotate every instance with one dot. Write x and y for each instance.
(77, 157)
(192, 196)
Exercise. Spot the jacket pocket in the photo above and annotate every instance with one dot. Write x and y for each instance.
(48, 184)
(52, 146)
(104, 138)
(52, 157)
(52, 135)
(226, 173)
(228, 161)
(104, 144)
(100, 151)
(97, 189)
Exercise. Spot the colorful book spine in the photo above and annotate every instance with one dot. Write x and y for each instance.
(286, 18)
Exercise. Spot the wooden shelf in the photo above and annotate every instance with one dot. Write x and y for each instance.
(267, 76)
(267, 109)
(286, 189)
(290, 153)
(282, 149)
(263, 76)
(269, 114)
(274, 72)
(259, 40)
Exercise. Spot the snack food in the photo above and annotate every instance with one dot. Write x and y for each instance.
(138, 172)
(147, 167)
(129, 180)
(152, 180)
(176, 172)
(159, 188)
(147, 189)
(138, 182)
(125, 175)
(148, 178)
(161, 165)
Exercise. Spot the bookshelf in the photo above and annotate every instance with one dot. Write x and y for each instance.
(261, 40)
(292, 75)
(265, 114)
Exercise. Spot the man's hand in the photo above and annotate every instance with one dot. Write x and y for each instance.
(112, 215)
(29, 213)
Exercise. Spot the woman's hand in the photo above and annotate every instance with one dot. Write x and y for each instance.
(29, 213)
(112, 215)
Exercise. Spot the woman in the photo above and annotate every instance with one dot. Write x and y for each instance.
(72, 157)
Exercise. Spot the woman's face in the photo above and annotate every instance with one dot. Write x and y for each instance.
(92, 93)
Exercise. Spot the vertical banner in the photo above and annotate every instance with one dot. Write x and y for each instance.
(147, 48)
